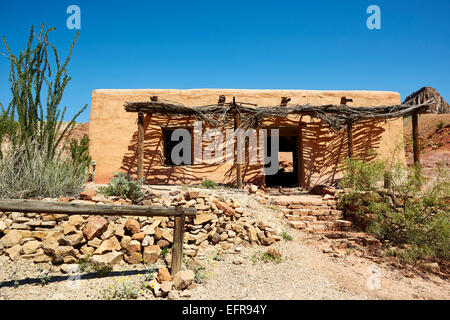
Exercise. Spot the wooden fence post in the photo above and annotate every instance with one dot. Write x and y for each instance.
(177, 247)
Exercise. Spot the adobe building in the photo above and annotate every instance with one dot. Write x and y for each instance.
(311, 152)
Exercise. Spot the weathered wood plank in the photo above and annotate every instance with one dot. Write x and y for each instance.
(69, 208)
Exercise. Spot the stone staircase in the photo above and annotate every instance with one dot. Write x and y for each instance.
(311, 213)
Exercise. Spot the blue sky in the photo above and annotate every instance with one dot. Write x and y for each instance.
(315, 45)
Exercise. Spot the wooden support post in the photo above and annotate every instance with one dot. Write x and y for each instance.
(284, 101)
(350, 140)
(177, 247)
(237, 123)
(300, 164)
(415, 134)
(350, 148)
(140, 151)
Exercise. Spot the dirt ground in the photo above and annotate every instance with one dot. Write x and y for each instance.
(304, 272)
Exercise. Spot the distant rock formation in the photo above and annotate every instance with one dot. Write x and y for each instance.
(426, 93)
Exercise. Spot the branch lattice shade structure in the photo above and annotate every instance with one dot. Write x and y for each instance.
(336, 116)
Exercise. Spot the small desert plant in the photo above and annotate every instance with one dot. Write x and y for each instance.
(218, 257)
(285, 236)
(199, 274)
(165, 252)
(85, 264)
(439, 125)
(123, 186)
(101, 270)
(208, 184)
(121, 290)
(150, 272)
(44, 278)
(266, 257)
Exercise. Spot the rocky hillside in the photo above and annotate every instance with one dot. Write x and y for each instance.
(434, 140)
(426, 93)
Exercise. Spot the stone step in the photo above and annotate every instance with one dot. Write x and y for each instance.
(307, 207)
(297, 224)
(325, 225)
(286, 203)
(328, 218)
(300, 218)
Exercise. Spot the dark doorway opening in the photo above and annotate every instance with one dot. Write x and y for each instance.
(168, 146)
(287, 174)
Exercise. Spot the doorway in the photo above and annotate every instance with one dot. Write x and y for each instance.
(288, 164)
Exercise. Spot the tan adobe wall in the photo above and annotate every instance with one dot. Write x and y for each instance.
(113, 134)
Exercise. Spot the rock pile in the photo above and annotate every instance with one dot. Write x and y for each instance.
(163, 284)
(60, 238)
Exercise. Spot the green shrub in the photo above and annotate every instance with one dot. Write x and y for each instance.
(27, 172)
(362, 175)
(414, 218)
(208, 184)
(123, 186)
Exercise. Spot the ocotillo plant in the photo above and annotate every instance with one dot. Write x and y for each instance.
(79, 151)
(31, 72)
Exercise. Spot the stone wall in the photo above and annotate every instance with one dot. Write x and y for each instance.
(360, 214)
(60, 238)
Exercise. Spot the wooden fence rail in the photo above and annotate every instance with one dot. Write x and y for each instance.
(37, 206)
